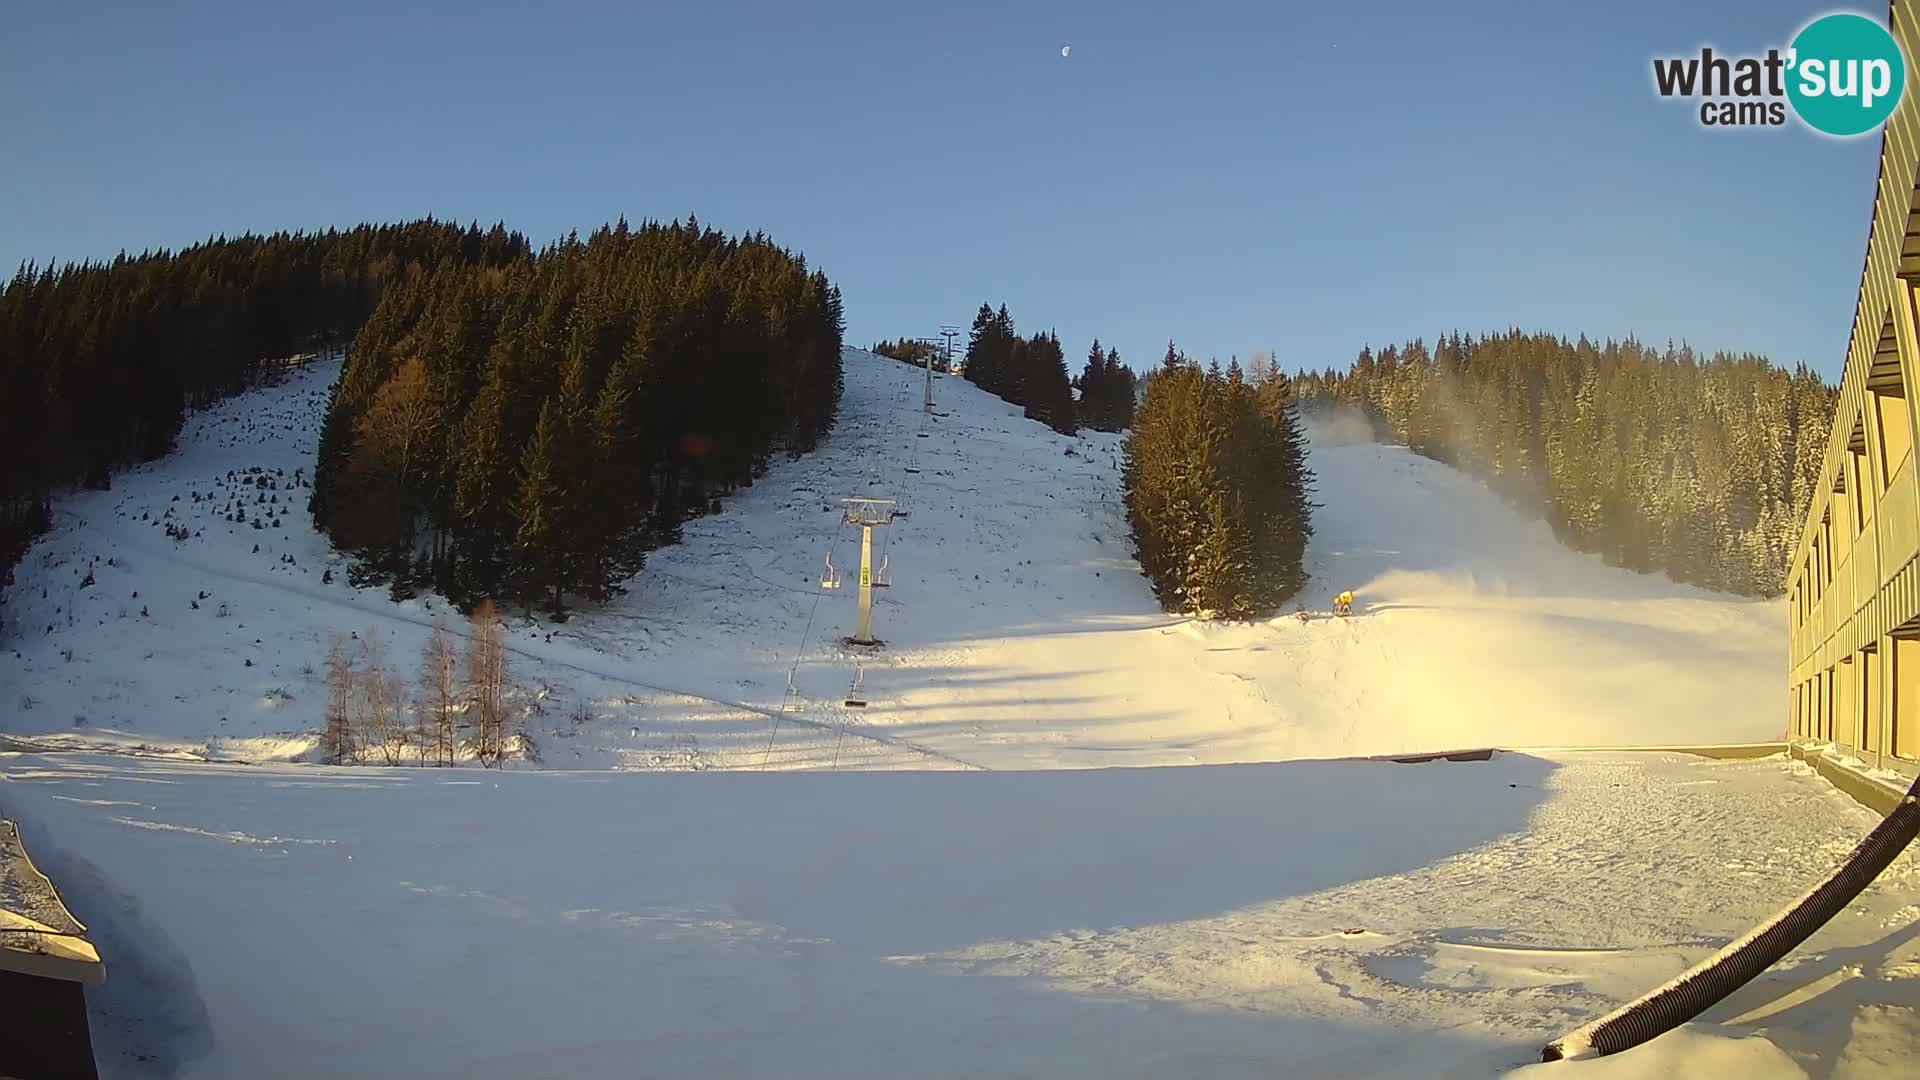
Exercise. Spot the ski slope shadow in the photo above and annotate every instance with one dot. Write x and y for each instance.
(665, 924)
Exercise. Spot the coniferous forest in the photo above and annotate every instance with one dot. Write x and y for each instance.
(1108, 389)
(911, 352)
(1657, 460)
(1217, 487)
(1030, 372)
(527, 432)
(101, 361)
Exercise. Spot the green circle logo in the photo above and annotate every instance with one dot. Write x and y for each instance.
(1845, 74)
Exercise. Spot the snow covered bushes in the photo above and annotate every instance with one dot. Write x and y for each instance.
(1217, 489)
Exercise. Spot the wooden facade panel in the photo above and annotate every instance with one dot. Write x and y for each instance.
(1872, 693)
(1905, 740)
(1846, 678)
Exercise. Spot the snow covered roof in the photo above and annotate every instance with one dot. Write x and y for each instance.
(38, 935)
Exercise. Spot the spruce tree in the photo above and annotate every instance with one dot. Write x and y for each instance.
(540, 556)
(1048, 391)
(982, 365)
(1095, 389)
(1123, 389)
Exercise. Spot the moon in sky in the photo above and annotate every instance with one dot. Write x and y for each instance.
(1066, 51)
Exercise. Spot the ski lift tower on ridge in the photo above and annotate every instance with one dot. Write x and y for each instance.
(868, 514)
(928, 345)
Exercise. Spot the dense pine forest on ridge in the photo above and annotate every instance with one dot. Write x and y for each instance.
(528, 432)
(525, 425)
(910, 351)
(1657, 460)
(510, 424)
(1032, 372)
(101, 361)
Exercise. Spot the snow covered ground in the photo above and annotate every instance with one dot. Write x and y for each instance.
(1232, 912)
(1306, 919)
(1019, 633)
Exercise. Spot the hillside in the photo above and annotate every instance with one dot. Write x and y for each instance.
(1331, 918)
(1018, 633)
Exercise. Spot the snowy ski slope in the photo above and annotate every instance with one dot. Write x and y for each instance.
(1019, 634)
(1033, 917)
(1227, 914)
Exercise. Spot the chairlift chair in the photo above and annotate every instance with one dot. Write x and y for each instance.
(881, 578)
(854, 700)
(831, 578)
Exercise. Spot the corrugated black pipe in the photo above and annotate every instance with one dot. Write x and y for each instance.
(1703, 985)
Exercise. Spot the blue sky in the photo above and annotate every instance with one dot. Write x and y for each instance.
(1239, 177)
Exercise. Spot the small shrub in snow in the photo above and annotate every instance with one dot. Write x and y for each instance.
(486, 685)
(381, 702)
(529, 749)
(439, 682)
(336, 732)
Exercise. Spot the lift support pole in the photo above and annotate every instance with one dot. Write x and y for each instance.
(867, 513)
(863, 634)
